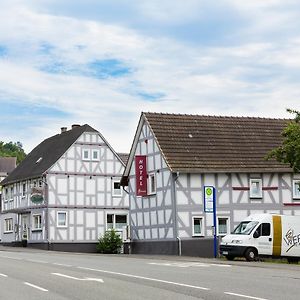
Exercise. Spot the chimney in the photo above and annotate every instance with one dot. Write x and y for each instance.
(63, 129)
(75, 125)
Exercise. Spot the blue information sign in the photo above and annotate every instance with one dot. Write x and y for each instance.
(210, 207)
(209, 196)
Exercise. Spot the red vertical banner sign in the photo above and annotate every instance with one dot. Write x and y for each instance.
(141, 175)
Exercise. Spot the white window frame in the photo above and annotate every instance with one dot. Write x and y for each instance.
(98, 154)
(227, 225)
(8, 225)
(11, 191)
(150, 176)
(6, 198)
(24, 189)
(255, 196)
(39, 223)
(202, 225)
(114, 214)
(89, 154)
(296, 195)
(66, 219)
(113, 188)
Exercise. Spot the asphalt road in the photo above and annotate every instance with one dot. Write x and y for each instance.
(33, 274)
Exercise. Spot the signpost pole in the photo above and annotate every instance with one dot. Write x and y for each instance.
(215, 224)
(210, 207)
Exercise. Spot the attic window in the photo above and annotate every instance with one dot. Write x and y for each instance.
(39, 160)
(190, 135)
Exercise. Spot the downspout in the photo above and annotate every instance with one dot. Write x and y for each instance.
(179, 245)
(175, 177)
(47, 211)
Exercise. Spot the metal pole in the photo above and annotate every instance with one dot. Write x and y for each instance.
(215, 224)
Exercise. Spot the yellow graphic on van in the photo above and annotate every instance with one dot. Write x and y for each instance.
(277, 235)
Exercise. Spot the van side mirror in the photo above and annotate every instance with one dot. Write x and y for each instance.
(256, 234)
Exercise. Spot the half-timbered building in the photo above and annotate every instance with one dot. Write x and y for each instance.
(66, 193)
(173, 157)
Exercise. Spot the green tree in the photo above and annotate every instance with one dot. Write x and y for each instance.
(12, 150)
(289, 151)
(110, 243)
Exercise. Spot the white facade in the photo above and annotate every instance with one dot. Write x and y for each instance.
(78, 191)
(175, 211)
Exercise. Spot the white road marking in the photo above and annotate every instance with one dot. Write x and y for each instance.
(81, 279)
(62, 265)
(221, 265)
(180, 265)
(37, 261)
(3, 275)
(36, 287)
(187, 265)
(146, 278)
(17, 258)
(244, 296)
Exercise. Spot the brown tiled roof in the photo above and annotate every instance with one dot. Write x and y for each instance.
(124, 157)
(7, 164)
(193, 143)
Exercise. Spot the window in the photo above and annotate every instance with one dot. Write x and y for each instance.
(39, 160)
(23, 189)
(197, 226)
(263, 229)
(95, 155)
(116, 221)
(61, 219)
(152, 184)
(86, 154)
(117, 191)
(255, 188)
(120, 221)
(223, 226)
(296, 189)
(11, 192)
(245, 227)
(37, 222)
(8, 225)
(109, 221)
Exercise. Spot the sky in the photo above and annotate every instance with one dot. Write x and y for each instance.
(103, 62)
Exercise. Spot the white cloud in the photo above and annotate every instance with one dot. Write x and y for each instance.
(249, 78)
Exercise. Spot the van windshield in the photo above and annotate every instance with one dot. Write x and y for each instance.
(245, 227)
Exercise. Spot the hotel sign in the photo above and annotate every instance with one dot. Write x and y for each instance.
(141, 175)
(37, 195)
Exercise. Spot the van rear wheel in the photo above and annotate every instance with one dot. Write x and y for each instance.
(251, 254)
(293, 260)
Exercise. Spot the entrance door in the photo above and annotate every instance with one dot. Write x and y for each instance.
(263, 238)
(24, 227)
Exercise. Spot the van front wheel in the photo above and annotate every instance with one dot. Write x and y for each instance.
(251, 254)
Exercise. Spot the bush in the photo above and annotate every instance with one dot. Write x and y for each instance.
(110, 243)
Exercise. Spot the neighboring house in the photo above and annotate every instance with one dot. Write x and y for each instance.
(7, 165)
(174, 156)
(66, 193)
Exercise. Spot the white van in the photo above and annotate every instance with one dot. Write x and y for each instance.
(264, 235)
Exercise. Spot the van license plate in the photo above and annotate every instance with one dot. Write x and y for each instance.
(225, 252)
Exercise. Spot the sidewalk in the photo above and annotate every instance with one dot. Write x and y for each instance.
(168, 258)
